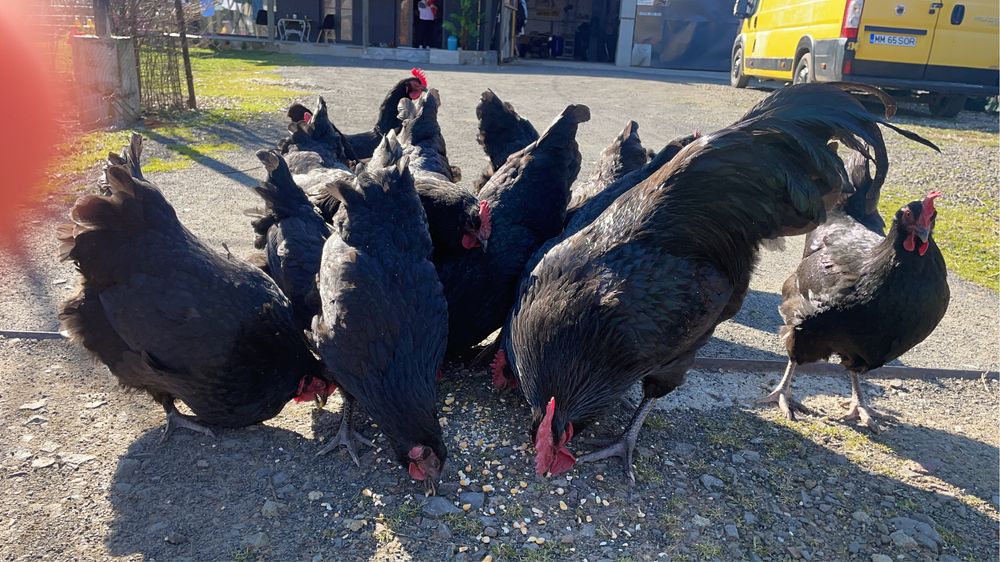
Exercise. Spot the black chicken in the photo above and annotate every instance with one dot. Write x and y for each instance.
(291, 232)
(319, 135)
(526, 201)
(383, 326)
(625, 154)
(866, 297)
(632, 296)
(423, 143)
(502, 132)
(501, 375)
(362, 145)
(172, 317)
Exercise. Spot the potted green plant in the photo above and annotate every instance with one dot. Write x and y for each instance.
(464, 24)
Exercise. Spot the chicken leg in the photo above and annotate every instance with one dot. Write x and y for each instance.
(176, 420)
(625, 446)
(858, 408)
(782, 395)
(347, 435)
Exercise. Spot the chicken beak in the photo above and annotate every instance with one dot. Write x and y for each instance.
(922, 233)
(430, 487)
(320, 401)
(483, 243)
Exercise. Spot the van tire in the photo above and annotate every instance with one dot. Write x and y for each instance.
(736, 77)
(946, 106)
(803, 69)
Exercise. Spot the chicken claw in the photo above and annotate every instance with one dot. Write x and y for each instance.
(624, 447)
(176, 420)
(347, 435)
(782, 396)
(858, 408)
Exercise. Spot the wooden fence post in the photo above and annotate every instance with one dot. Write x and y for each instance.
(181, 29)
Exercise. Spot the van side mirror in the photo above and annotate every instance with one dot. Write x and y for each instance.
(742, 9)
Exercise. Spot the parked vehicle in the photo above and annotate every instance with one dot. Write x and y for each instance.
(939, 52)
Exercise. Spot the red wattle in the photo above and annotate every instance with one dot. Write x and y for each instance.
(416, 472)
(910, 243)
(923, 248)
(469, 241)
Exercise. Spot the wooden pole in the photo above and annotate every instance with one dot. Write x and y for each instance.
(181, 29)
(271, 19)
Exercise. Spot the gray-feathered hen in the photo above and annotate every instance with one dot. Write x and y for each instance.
(172, 317)
(383, 326)
(632, 296)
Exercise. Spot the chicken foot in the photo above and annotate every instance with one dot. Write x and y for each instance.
(858, 408)
(177, 420)
(782, 395)
(347, 435)
(625, 446)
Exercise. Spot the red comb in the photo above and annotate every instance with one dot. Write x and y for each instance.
(928, 209)
(543, 440)
(419, 74)
(485, 220)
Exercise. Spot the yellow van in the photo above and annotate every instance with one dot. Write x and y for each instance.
(936, 51)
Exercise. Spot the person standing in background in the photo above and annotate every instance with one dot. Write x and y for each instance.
(427, 12)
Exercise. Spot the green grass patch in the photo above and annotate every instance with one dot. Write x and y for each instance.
(460, 523)
(967, 234)
(231, 87)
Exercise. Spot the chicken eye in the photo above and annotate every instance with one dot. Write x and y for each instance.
(907, 213)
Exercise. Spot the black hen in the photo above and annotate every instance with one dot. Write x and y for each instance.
(319, 135)
(625, 154)
(383, 326)
(172, 317)
(502, 132)
(423, 143)
(453, 212)
(291, 232)
(632, 296)
(526, 204)
(866, 297)
(362, 145)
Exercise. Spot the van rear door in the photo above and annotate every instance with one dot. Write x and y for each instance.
(965, 45)
(896, 38)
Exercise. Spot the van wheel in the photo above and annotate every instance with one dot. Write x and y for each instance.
(736, 77)
(946, 106)
(803, 70)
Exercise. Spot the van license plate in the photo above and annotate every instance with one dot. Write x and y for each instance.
(892, 40)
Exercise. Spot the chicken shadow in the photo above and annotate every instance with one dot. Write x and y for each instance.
(226, 132)
(760, 311)
(806, 479)
(241, 496)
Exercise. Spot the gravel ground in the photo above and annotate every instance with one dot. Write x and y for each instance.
(82, 476)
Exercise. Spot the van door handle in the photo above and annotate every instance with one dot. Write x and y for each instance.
(957, 14)
(935, 6)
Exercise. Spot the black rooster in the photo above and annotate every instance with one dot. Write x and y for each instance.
(632, 296)
(866, 297)
(502, 132)
(501, 374)
(172, 317)
(362, 145)
(526, 201)
(291, 232)
(383, 326)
